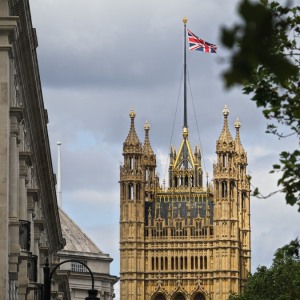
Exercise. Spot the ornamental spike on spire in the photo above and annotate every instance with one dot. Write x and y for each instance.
(238, 145)
(132, 138)
(225, 134)
(147, 149)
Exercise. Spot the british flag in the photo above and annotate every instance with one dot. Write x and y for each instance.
(200, 45)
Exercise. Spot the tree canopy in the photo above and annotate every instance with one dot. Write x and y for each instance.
(281, 281)
(265, 60)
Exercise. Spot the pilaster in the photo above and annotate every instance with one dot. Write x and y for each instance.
(7, 29)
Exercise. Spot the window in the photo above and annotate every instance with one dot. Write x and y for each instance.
(224, 189)
(130, 191)
(160, 297)
(179, 297)
(77, 267)
(199, 297)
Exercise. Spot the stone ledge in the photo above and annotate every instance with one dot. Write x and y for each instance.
(8, 24)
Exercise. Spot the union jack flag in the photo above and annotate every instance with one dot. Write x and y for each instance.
(200, 45)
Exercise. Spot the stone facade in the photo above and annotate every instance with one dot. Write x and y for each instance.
(190, 240)
(29, 219)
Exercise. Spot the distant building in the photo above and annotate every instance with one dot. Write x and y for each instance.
(80, 247)
(189, 240)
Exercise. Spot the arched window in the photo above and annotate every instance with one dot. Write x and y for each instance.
(205, 262)
(199, 297)
(131, 163)
(130, 191)
(201, 262)
(243, 199)
(192, 181)
(179, 297)
(160, 297)
(224, 189)
(186, 181)
(224, 160)
(138, 191)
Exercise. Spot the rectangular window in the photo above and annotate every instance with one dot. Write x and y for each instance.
(77, 267)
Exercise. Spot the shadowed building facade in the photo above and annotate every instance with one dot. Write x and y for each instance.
(30, 227)
(189, 240)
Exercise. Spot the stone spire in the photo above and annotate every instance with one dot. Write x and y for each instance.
(225, 134)
(147, 149)
(238, 145)
(132, 142)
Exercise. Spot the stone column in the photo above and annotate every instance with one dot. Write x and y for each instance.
(7, 27)
(25, 162)
(22, 190)
(15, 117)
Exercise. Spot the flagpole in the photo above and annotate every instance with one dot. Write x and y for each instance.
(184, 75)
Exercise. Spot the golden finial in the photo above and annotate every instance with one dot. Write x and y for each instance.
(237, 123)
(132, 114)
(225, 111)
(185, 132)
(146, 126)
(184, 20)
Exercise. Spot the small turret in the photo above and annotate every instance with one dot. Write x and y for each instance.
(149, 164)
(132, 143)
(131, 172)
(147, 149)
(239, 149)
(225, 141)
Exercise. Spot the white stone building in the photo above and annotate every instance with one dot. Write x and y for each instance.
(80, 247)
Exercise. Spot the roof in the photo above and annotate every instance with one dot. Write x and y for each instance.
(76, 239)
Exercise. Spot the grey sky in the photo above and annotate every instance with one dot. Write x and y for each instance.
(100, 58)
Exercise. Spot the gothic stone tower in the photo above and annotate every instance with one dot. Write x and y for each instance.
(189, 240)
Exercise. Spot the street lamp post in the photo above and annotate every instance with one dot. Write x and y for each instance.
(48, 276)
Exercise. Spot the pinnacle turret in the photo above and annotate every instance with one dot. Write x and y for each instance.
(238, 145)
(225, 134)
(132, 142)
(147, 149)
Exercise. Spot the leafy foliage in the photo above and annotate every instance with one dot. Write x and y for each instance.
(265, 60)
(281, 281)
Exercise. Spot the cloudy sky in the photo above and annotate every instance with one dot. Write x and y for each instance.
(100, 58)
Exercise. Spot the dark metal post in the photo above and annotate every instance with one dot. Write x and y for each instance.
(185, 125)
(92, 295)
(47, 281)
